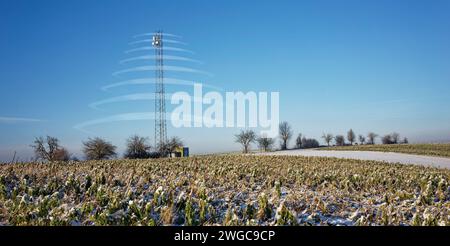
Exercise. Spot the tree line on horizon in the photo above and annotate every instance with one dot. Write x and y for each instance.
(285, 134)
(137, 147)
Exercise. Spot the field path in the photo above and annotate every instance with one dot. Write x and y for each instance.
(370, 155)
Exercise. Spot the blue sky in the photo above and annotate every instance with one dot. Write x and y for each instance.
(379, 66)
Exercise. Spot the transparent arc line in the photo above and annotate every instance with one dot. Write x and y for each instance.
(166, 57)
(129, 117)
(170, 81)
(115, 118)
(137, 97)
(129, 97)
(166, 68)
(170, 41)
(18, 120)
(164, 48)
(153, 33)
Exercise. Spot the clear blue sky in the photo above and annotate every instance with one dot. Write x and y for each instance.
(377, 66)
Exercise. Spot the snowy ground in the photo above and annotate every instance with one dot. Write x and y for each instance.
(370, 155)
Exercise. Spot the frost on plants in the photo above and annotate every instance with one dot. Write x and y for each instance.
(224, 190)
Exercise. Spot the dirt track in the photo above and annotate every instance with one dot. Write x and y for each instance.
(371, 155)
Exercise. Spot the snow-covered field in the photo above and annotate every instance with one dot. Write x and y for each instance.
(224, 190)
(369, 155)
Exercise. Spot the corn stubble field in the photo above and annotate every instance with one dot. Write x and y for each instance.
(224, 190)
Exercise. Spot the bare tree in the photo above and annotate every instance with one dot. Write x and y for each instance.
(246, 138)
(362, 139)
(371, 138)
(387, 139)
(265, 143)
(298, 141)
(327, 138)
(395, 138)
(62, 154)
(308, 143)
(405, 141)
(98, 149)
(351, 136)
(285, 132)
(340, 140)
(137, 148)
(14, 157)
(48, 149)
(173, 144)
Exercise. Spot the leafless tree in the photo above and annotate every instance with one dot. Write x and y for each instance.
(395, 138)
(173, 144)
(48, 149)
(98, 149)
(362, 139)
(371, 138)
(137, 148)
(327, 138)
(265, 143)
(351, 136)
(308, 143)
(285, 132)
(245, 138)
(387, 139)
(405, 141)
(298, 141)
(340, 140)
(14, 157)
(62, 154)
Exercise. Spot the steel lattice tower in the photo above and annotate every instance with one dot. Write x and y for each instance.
(160, 103)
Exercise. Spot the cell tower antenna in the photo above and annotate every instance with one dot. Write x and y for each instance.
(160, 103)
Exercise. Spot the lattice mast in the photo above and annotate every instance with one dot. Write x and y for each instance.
(160, 103)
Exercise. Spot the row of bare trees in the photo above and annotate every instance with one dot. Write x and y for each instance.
(265, 143)
(393, 138)
(285, 134)
(137, 147)
(340, 140)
